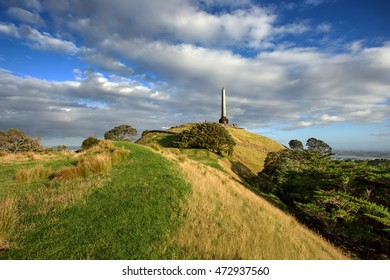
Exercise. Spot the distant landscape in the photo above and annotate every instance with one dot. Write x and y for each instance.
(361, 155)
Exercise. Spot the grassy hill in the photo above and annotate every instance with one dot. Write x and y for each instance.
(135, 202)
(223, 218)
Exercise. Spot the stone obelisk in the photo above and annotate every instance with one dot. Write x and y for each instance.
(223, 119)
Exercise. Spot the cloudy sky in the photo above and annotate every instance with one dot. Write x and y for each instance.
(292, 69)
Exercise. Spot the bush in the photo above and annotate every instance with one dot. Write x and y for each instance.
(89, 142)
(209, 136)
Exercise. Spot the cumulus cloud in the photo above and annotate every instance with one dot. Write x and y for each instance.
(168, 60)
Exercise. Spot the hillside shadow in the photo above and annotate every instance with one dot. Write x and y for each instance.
(256, 184)
(168, 141)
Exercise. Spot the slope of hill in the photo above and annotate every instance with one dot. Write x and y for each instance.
(174, 204)
(225, 220)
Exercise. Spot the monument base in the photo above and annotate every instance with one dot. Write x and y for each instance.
(224, 120)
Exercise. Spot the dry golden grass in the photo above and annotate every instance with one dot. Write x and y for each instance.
(28, 175)
(223, 220)
(251, 149)
(97, 164)
(17, 158)
(9, 218)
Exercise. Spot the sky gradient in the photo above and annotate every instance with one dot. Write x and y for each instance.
(291, 69)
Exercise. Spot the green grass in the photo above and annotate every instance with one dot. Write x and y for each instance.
(132, 215)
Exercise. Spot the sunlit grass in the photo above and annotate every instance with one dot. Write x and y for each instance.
(9, 218)
(36, 173)
(97, 164)
(129, 212)
(223, 220)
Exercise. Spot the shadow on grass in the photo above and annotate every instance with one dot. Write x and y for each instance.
(168, 140)
(258, 185)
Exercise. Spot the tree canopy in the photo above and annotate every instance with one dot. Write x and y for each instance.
(317, 145)
(121, 133)
(211, 136)
(295, 145)
(15, 140)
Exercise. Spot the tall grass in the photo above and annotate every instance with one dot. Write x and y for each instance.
(9, 218)
(97, 164)
(223, 220)
(36, 173)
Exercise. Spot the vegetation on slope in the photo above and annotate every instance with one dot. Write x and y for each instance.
(224, 220)
(346, 201)
(129, 213)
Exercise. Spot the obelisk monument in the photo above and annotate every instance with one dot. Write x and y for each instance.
(223, 119)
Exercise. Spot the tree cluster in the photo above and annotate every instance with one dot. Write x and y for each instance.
(15, 140)
(312, 144)
(346, 201)
(211, 136)
(121, 133)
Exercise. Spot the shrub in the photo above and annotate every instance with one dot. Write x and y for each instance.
(89, 142)
(210, 136)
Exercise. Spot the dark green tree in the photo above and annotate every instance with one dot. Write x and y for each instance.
(210, 136)
(89, 142)
(317, 145)
(295, 145)
(121, 133)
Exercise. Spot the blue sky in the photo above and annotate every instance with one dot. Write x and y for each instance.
(292, 69)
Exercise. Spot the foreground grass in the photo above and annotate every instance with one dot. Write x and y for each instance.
(224, 220)
(130, 213)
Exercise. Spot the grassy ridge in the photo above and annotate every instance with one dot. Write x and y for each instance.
(132, 215)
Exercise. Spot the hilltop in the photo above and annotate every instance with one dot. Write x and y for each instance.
(250, 150)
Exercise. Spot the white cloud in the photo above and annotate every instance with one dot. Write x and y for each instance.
(39, 40)
(25, 16)
(172, 57)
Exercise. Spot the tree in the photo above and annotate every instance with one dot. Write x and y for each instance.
(121, 133)
(210, 136)
(15, 140)
(89, 142)
(320, 146)
(296, 145)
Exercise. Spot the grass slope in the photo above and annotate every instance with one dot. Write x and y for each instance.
(225, 220)
(132, 214)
